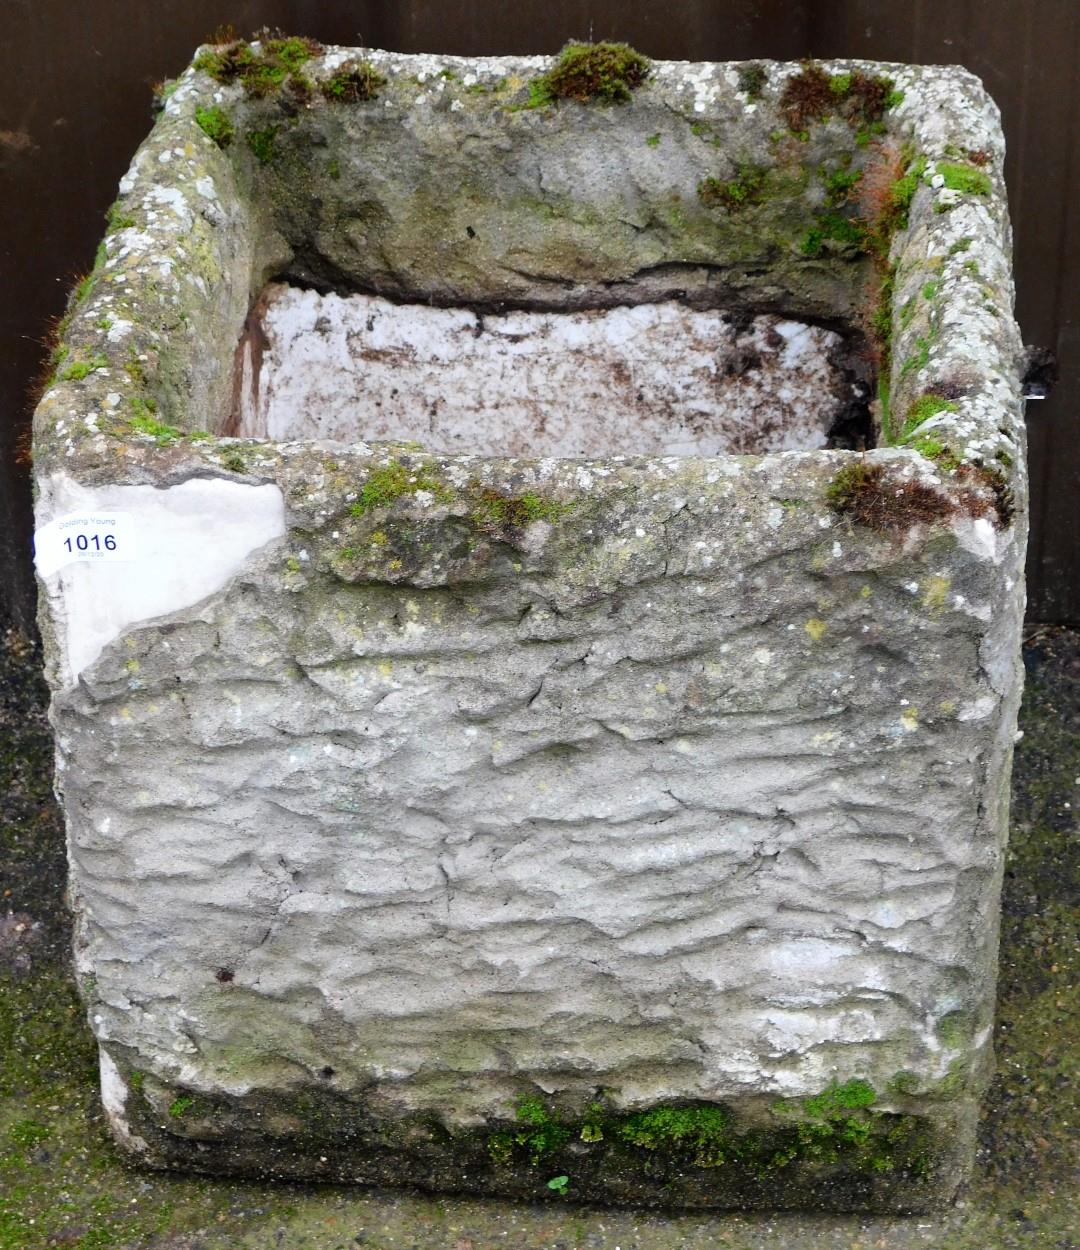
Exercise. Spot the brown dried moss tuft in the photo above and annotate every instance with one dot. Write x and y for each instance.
(224, 34)
(864, 493)
(867, 97)
(875, 193)
(807, 97)
(814, 95)
(986, 493)
(868, 495)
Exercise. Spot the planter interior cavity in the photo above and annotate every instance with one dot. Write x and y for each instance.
(644, 379)
(531, 557)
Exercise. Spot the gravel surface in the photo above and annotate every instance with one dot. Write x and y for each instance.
(62, 1184)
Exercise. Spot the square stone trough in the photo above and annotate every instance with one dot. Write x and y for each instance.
(531, 571)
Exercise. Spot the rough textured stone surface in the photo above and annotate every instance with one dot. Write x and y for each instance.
(479, 820)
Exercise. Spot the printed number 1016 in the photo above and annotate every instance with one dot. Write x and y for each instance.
(91, 542)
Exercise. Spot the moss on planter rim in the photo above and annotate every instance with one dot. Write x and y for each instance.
(603, 72)
(861, 99)
(261, 69)
(353, 83)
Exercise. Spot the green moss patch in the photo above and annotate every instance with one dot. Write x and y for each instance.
(747, 187)
(903, 191)
(607, 73)
(840, 184)
(118, 218)
(353, 83)
(261, 142)
(79, 369)
(181, 1106)
(262, 70)
(966, 179)
(391, 482)
(922, 409)
(829, 1150)
(833, 232)
(144, 422)
(702, 1130)
(214, 122)
(935, 449)
(752, 80)
(538, 1132)
(835, 1099)
(674, 1144)
(873, 496)
(867, 495)
(919, 358)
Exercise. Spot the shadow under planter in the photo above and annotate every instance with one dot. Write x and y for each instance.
(531, 560)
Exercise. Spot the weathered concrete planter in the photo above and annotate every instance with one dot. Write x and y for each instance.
(602, 793)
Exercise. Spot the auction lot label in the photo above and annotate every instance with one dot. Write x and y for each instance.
(84, 536)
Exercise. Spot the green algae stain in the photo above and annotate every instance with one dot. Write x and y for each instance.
(956, 1029)
(936, 591)
(494, 509)
(903, 1084)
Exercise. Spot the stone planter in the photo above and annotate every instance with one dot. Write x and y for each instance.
(532, 590)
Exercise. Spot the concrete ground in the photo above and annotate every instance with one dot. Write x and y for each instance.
(63, 1184)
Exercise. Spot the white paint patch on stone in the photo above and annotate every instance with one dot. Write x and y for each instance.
(653, 378)
(980, 538)
(192, 538)
(114, 1093)
(113, 1089)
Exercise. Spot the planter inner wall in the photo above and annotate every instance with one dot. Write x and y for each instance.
(645, 379)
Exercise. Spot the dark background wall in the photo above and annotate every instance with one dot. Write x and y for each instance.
(75, 103)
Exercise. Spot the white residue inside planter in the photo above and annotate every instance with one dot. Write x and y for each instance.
(642, 380)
